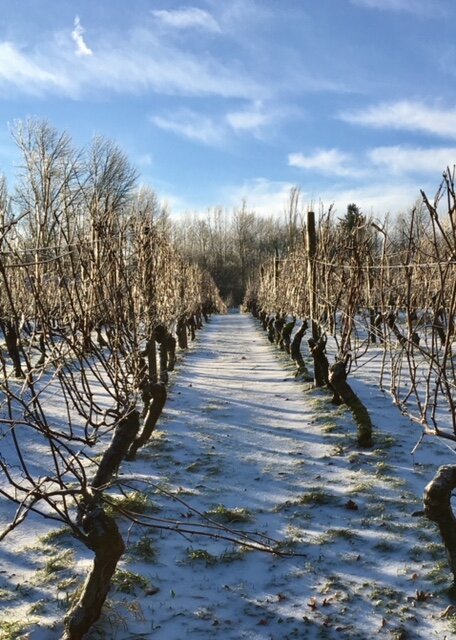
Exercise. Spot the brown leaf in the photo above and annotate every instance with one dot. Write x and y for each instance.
(313, 604)
(449, 611)
(351, 505)
(420, 596)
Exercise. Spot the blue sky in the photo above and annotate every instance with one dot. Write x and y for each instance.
(217, 100)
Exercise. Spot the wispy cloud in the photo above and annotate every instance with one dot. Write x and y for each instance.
(247, 120)
(78, 36)
(190, 125)
(218, 129)
(141, 62)
(388, 178)
(145, 160)
(406, 115)
(402, 160)
(377, 198)
(21, 71)
(254, 119)
(326, 161)
(187, 18)
(268, 197)
(265, 197)
(417, 7)
(397, 160)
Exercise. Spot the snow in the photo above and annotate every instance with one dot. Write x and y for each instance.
(242, 438)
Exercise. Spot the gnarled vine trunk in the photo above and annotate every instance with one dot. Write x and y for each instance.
(437, 507)
(286, 334)
(103, 536)
(321, 366)
(338, 380)
(104, 539)
(157, 399)
(295, 351)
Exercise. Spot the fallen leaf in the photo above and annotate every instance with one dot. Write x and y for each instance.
(420, 596)
(449, 611)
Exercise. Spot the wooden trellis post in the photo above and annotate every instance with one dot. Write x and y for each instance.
(311, 272)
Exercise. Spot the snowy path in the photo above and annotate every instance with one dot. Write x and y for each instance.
(241, 434)
(242, 440)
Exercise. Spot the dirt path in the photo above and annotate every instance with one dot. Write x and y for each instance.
(243, 442)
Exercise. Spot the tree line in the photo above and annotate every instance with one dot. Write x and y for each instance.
(232, 245)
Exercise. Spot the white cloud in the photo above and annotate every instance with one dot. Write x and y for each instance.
(401, 160)
(405, 115)
(327, 161)
(145, 160)
(253, 119)
(190, 125)
(21, 71)
(140, 62)
(377, 198)
(389, 178)
(268, 197)
(265, 197)
(214, 131)
(187, 18)
(247, 120)
(78, 36)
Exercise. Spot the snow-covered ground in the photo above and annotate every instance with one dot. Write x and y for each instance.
(246, 444)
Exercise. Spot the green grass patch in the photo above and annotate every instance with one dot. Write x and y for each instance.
(13, 629)
(439, 573)
(56, 536)
(366, 486)
(225, 515)
(59, 562)
(385, 442)
(38, 607)
(145, 550)
(201, 555)
(316, 497)
(135, 502)
(209, 559)
(129, 582)
(331, 535)
(385, 546)
(382, 468)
